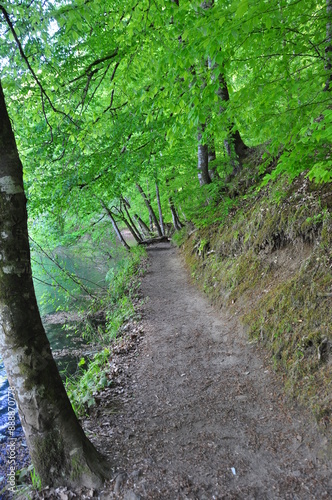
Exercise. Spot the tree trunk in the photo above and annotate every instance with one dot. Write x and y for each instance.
(328, 47)
(211, 157)
(59, 449)
(234, 145)
(126, 205)
(203, 162)
(115, 226)
(161, 220)
(144, 228)
(176, 221)
(150, 209)
(149, 200)
(136, 237)
(132, 226)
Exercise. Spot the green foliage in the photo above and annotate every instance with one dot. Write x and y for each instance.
(82, 388)
(125, 86)
(118, 305)
(35, 479)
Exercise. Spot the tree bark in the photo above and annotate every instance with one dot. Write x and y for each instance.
(148, 197)
(161, 219)
(136, 237)
(176, 221)
(59, 449)
(150, 209)
(132, 226)
(115, 226)
(234, 145)
(212, 157)
(203, 162)
(144, 228)
(328, 47)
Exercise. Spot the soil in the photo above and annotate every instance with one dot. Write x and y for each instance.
(195, 411)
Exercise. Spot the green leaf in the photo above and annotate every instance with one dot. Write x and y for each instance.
(242, 9)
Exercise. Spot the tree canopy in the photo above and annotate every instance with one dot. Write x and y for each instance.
(107, 94)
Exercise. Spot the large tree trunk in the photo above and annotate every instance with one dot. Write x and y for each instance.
(328, 47)
(150, 209)
(59, 449)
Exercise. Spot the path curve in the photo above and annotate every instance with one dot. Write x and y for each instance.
(205, 418)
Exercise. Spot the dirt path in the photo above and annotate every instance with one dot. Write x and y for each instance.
(204, 418)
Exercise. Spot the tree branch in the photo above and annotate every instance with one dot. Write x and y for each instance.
(24, 57)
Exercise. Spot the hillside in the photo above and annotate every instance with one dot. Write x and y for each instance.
(269, 263)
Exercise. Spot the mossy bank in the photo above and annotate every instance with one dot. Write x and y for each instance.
(269, 261)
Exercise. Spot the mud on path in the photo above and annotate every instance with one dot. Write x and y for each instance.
(204, 417)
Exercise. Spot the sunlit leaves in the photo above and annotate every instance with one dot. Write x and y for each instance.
(135, 80)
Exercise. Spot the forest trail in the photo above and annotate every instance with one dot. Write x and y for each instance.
(202, 416)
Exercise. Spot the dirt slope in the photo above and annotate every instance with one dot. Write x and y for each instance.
(201, 416)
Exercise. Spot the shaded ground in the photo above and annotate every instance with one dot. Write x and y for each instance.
(197, 414)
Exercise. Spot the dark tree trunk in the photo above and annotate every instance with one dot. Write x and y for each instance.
(161, 219)
(59, 449)
(149, 200)
(234, 145)
(328, 47)
(150, 209)
(136, 237)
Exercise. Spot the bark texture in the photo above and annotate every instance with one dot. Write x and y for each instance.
(115, 226)
(150, 209)
(59, 449)
(161, 219)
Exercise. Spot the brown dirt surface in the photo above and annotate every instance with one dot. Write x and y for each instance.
(195, 411)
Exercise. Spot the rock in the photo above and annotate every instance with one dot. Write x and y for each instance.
(119, 482)
(136, 474)
(130, 495)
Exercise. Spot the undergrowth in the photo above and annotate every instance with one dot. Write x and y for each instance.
(269, 260)
(117, 307)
